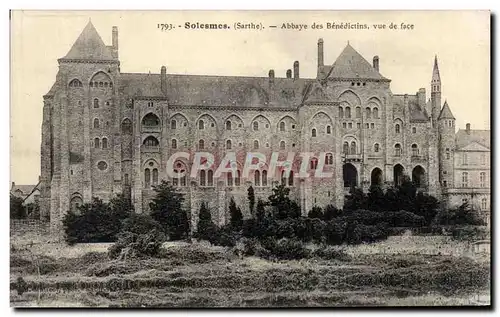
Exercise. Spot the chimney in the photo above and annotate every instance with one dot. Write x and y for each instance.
(375, 63)
(467, 128)
(163, 79)
(320, 53)
(296, 70)
(289, 73)
(271, 76)
(115, 41)
(421, 97)
(13, 185)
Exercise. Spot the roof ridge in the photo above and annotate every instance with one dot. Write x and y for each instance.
(89, 46)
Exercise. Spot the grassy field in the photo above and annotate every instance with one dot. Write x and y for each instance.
(198, 275)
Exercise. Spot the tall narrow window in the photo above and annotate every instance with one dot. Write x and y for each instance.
(96, 103)
(465, 179)
(414, 150)
(314, 163)
(375, 113)
(201, 144)
(345, 148)
(358, 112)
(173, 124)
(237, 179)
(201, 125)
(210, 176)
(290, 178)
(447, 153)
(483, 159)
(282, 145)
(283, 178)
(313, 133)
(482, 179)
(282, 126)
(353, 147)
(228, 144)
(256, 176)
(397, 150)
(264, 178)
(104, 143)
(348, 112)
(155, 176)
(255, 126)
(229, 176)
(465, 159)
(96, 123)
(328, 129)
(203, 178)
(341, 112)
(228, 125)
(413, 130)
(97, 143)
(174, 143)
(328, 159)
(127, 181)
(255, 144)
(397, 128)
(368, 113)
(147, 178)
(484, 203)
(376, 147)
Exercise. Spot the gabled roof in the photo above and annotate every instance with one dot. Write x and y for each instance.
(464, 138)
(417, 113)
(474, 147)
(350, 64)
(89, 46)
(446, 112)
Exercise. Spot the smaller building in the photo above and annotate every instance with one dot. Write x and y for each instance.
(30, 194)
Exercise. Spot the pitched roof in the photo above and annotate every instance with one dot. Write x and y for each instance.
(417, 113)
(89, 45)
(464, 138)
(26, 190)
(350, 64)
(446, 112)
(474, 147)
(315, 93)
(218, 90)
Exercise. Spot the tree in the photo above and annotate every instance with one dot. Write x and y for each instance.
(406, 194)
(251, 199)
(375, 200)
(261, 210)
(166, 208)
(17, 210)
(283, 207)
(427, 207)
(331, 212)
(236, 216)
(315, 212)
(206, 228)
(355, 200)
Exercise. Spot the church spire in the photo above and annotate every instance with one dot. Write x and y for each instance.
(435, 93)
(435, 72)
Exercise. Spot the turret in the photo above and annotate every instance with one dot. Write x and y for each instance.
(446, 128)
(435, 93)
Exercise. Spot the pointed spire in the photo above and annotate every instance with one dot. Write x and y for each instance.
(446, 112)
(435, 71)
(89, 45)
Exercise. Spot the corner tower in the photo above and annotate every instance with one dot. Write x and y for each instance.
(446, 128)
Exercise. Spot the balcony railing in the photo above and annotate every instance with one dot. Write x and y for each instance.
(151, 128)
(150, 148)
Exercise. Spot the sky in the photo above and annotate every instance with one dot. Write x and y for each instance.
(460, 39)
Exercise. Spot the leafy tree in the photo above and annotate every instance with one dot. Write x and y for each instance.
(463, 215)
(355, 200)
(375, 200)
(236, 216)
(17, 210)
(283, 207)
(261, 210)
(140, 224)
(206, 228)
(427, 207)
(331, 212)
(316, 212)
(406, 194)
(251, 199)
(166, 208)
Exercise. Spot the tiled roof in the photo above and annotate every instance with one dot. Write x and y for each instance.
(480, 136)
(89, 46)
(446, 112)
(417, 113)
(350, 64)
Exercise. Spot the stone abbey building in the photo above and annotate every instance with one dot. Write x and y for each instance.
(105, 132)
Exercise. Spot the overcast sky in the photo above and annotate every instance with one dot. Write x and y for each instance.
(461, 41)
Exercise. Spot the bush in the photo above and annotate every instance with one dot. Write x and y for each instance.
(327, 252)
(470, 233)
(316, 212)
(140, 223)
(335, 232)
(130, 245)
(286, 249)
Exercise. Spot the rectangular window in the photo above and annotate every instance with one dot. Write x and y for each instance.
(372, 125)
(344, 125)
(358, 125)
(465, 179)
(349, 125)
(465, 159)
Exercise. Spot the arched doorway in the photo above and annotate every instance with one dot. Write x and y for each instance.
(350, 175)
(376, 177)
(418, 176)
(75, 203)
(398, 174)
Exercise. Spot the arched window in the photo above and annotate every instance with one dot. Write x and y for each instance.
(282, 145)
(283, 178)
(368, 113)
(228, 144)
(106, 84)
(314, 163)
(155, 176)
(255, 144)
(397, 128)
(348, 112)
(228, 125)
(151, 141)
(147, 178)
(104, 143)
(341, 112)
(256, 177)
(173, 124)
(282, 126)
(210, 177)
(329, 159)
(376, 147)
(358, 112)
(413, 130)
(96, 123)
(328, 129)
(96, 103)
(397, 150)
(482, 179)
(255, 126)
(313, 133)
(290, 178)
(375, 113)
(201, 144)
(75, 83)
(127, 126)
(174, 143)
(345, 148)
(127, 180)
(179, 178)
(75, 203)
(237, 179)
(203, 178)
(484, 203)
(447, 153)
(229, 177)
(264, 178)
(414, 150)
(465, 179)
(353, 148)
(97, 143)
(101, 84)
(201, 125)
(151, 120)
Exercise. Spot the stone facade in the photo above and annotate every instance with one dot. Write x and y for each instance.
(106, 132)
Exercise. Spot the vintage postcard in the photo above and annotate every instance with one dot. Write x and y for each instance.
(250, 159)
